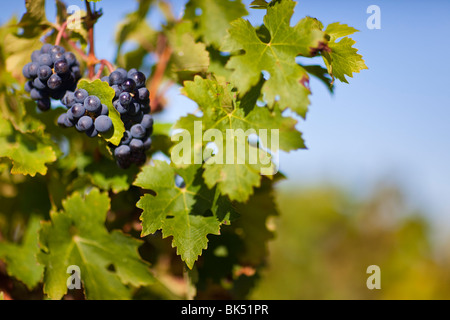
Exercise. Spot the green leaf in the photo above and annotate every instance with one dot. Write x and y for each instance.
(106, 94)
(109, 261)
(214, 17)
(33, 18)
(342, 59)
(223, 110)
(28, 153)
(276, 55)
(322, 74)
(259, 4)
(21, 259)
(187, 55)
(188, 213)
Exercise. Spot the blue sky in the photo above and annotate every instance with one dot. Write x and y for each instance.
(390, 124)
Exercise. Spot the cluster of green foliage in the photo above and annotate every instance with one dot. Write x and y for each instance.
(135, 233)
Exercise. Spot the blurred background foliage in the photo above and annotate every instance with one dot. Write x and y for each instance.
(326, 238)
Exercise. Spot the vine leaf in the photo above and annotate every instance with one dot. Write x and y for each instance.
(273, 49)
(187, 212)
(21, 259)
(109, 261)
(213, 17)
(106, 94)
(188, 56)
(28, 153)
(236, 173)
(343, 60)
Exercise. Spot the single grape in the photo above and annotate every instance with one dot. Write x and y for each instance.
(93, 104)
(105, 110)
(130, 72)
(122, 152)
(46, 48)
(136, 145)
(36, 94)
(38, 84)
(44, 104)
(25, 71)
(33, 69)
(45, 60)
(54, 82)
(69, 99)
(35, 55)
(126, 139)
(28, 86)
(67, 122)
(57, 49)
(105, 79)
(121, 109)
(80, 95)
(117, 90)
(147, 143)
(129, 85)
(123, 72)
(61, 67)
(125, 98)
(143, 94)
(147, 121)
(70, 58)
(116, 77)
(57, 56)
(62, 119)
(103, 124)
(44, 72)
(137, 131)
(84, 123)
(77, 110)
(139, 79)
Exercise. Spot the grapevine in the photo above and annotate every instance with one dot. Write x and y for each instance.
(138, 205)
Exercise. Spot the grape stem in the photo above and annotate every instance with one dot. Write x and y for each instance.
(164, 53)
(61, 31)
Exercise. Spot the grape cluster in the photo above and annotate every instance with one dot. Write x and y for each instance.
(51, 73)
(132, 101)
(86, 113)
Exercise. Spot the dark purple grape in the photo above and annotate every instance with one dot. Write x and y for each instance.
(105, 110)
(121, 109)
(46, 48)
(125, 98)
(62, 119)
(28, 86)
(84, 123)
(137, 131)
(126, 139)
(129, 85)
(33, 69)
(143, 94)
(61, 67)
(93, 104)
(38, 84)
(57, 49)
(45, 60)
(139, 79)
(147, 121)
(80, 95)
(70, 58)
(116, 77)
(136, 145)
(147, 143)
(103, 124)
(57, 56)
(44, 72)
(69, 99)
(54, 82)
(35, 55)
(44, 104)
(122, 152)
(77, 111)
(36, 94)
